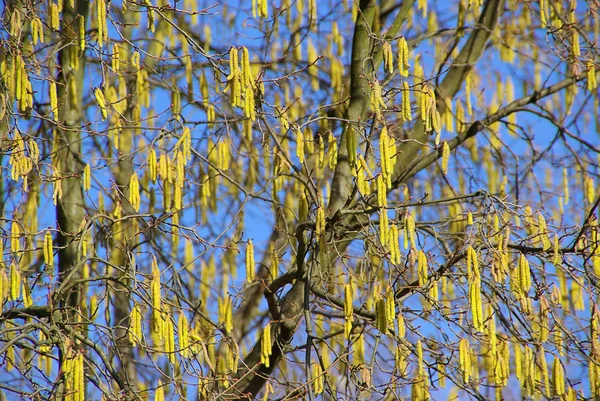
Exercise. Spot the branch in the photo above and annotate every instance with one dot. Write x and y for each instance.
(360, 68)
(26, 313)
(421, 163)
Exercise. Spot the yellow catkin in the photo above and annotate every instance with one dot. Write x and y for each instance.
(134, 192)
(81, 20)
(476, 302)
(332, 153)
(150, 15)
(27, 301)
(321, 153)
(420, 362)
(348, 311)
(14, 282)
(558, 378)
(388, 57)
(300, 145)
(152, 165)
(423, 106)
(401, 325)
(318, 384)
(351, 147)
(464, 353)
(99, 95)
(54, 100)
(406, 109)
(234, 77)
(543, 18)
(246, 70)
(544, 371)
(78, 378)
(422, 268)
(381, 192)
(589, 190)
(179, 169)
(87, 177)
(250, 262)
(364, 166)
(492, 336)
(3, 283)
(175, 103)
(383, 227)
(409, 230)
(15, 237)
(390, 305)
(436, 121)
(576, 48)
(223, 154)
(394, 245)
(135, 322)
(381, 319)
(183, 328)
(156, 297)
(320, 222)
(542, 232)
(376, 98)
(470, 218)
(54, 16)
(524, 274)
(102, 28)
(385, 156)
(445, 156)
(48, 249)
(169, 335)
(34, 151)
(403, 64)
(186, 144)
(468, 90)
(228, 316)
(37, 31)
(592, 81)
(303, 208)
(159, 394)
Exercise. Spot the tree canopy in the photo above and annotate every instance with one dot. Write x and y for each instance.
(292, 199)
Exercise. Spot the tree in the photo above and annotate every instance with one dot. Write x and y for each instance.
(291, 199)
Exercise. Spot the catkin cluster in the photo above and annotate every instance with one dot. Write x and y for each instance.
(14, 74)
(260, 9)
(73, 370)
(266, 345)
(428, 107)
(20, 163)
(241, 83)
